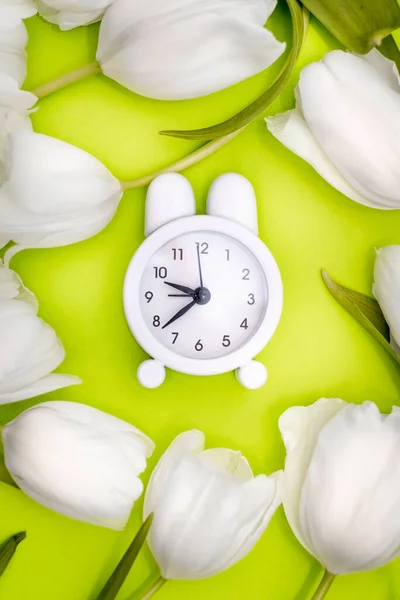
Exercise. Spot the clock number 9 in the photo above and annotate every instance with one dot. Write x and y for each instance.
(149, 296)
(198, 346)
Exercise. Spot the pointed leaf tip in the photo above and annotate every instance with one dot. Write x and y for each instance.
(364, 309)
(8, 549)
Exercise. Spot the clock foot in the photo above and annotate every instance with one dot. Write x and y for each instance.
(252, 376)
(151, 374)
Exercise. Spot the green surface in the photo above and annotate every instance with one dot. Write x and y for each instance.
(318, 349)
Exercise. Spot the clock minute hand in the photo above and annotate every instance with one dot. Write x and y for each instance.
(199, 264)
(181, 288)
(180, 313)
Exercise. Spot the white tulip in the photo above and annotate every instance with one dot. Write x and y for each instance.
(55, 194)
(78, 461)
(347, 125)
(68, 14)
(11, 287)
(14, 112)
(209, 509)
(184, 49)
(29, 348)
(386, 287)
(14, 37)
(341, 484)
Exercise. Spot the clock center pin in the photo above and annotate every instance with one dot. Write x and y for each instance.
(202, 295)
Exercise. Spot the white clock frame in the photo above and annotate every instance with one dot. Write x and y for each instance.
(152, 373)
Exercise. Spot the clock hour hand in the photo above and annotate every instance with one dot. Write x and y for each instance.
(181, 288)
(180, 313)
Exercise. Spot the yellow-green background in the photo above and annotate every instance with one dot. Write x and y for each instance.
(317, 350)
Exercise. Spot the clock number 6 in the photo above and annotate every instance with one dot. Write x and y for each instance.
(198, 346)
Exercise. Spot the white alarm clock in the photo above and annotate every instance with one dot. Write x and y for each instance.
(202, 294)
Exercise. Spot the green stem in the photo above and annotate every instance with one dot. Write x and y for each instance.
(154, 588)
(67, 79)
(183, 163)
(324, 586)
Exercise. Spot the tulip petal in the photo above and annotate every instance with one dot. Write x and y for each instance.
(14, 106)
(386, 288)
(292, 131)
(206, 45)
(351, 494)
(12, 52)
(29, 348)
(50, 383)
(68, 14)
(189, 442)
(12, 287)
(300, 427)
(12, 97)
(13, 11)
(264, 497)
(385, 69)
(86, 465)
(356, 120)
(228, 460)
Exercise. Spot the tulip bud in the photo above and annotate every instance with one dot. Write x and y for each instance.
(78, 461)
(209, 509)
(386, 287)
(14, 107)
(358, 25)
(341, 483)
(55, 194)
(14, 37)
(29, 352)
(178, 50)
(347, 125)
(68, 14)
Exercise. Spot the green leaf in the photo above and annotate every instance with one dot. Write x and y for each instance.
(358, 24)
(117, 579)
(256, 108)
(8, 550)
(365, 310)
(389, 48)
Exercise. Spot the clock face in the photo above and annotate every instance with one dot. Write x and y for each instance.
(203, 295)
